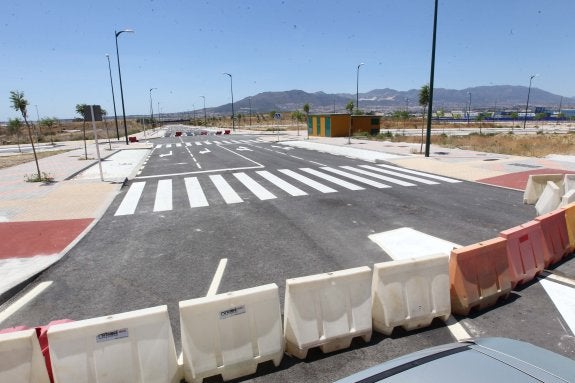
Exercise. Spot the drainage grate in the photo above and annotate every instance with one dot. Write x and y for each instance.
(526, 166)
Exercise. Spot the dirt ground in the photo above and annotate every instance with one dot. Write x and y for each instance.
(20, 158)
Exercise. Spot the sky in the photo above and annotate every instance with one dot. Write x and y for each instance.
(55, 51)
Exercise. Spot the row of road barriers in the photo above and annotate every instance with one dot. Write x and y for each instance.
(229, 334)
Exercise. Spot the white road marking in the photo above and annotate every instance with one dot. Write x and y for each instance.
(188, 144)
(158, 146)
(407, 243)
(364, 180)
(235, 141)
(563, 297)
(131, 199)
(196, 195)
(198, 143)
(24, 300)
(226, 191)
(308, 181)
(226, 142)
(168, 146)
(167, 154)
(243, 149)
(213, 290)
(218, 142)
(207, 142)
(433, 176)
(456, 329)
(335, 180)
(378, 176)
(163, 200)
(401, 175)
(206, 150)
(285, 186)
(259, 191)
(179, 145)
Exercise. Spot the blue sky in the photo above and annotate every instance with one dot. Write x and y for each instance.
(55, 50)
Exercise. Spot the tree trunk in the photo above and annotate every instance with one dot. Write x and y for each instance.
(33, 148)
(422, 127)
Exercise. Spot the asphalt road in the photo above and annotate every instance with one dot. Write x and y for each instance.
(153, 248)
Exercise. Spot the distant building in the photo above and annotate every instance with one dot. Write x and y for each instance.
(338, 125)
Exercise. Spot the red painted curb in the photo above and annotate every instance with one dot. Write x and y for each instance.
(519, 180)
(27, 239)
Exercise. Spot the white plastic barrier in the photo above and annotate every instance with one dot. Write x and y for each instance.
(21, 360)
(410, 293)
(536, 184)
(549, 200)
(327, 310)
(136, 346)
(231, 333)
(569, 182)
(568, 198)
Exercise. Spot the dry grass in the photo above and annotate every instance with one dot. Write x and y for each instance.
(17, 159)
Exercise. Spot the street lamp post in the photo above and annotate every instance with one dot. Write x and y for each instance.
(527, 105)
(152, 108)
(469, 108)
(357, 87)
(113, 97)
(205, 118)
(118, 33)
(431, 86)
(232, 92)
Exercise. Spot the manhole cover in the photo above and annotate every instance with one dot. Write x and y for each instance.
(526, 166)
(491, 159)
(441, 153)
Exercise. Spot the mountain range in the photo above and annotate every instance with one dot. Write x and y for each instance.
(386, 100)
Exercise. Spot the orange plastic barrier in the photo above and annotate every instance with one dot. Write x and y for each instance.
(570, 223)
(554, 229)
(479, 275)
(526, 251)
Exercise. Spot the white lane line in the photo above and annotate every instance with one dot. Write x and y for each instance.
(213, 290)
(158, 146)
(435, 177)
(163, 200)
(364, 180)
(188, 144)
(259, 191)
(196, 195)
(397, 174)
(308, 181)
(131, 199)
(179, 145)
(218, 142)
(335, 180)
(456, 329)
(235, 141)
(226, 142)
(207, 142)
(378, 176)
(226, 191)
(285, 186)
(244, 141)
(198, 143)
(562, 293)
(24, 300)
(168, 146)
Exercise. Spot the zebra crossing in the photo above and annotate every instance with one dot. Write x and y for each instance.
(208, 143)
(237, 187)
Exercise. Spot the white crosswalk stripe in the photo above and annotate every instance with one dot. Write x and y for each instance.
(179, 145)
(207, 142)
(131, 199)
(226, 191)
(198, 143)
(364, 180)
(235, 141)
(168, 146)
(397, 174)
(163, 200)
(308, 181)
(195, 193)
(260, 192)
(335, 180)
(378, 176)
(285, 186)
(188, 144)
(433, 176)
(229, 185)
(158, 146)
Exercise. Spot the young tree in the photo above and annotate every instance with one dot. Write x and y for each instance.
(306, 111)
(349, 107)
(423, 101)
(49, 123)
(80, 108)
(514, 117)
(14, 129)
(19, 103)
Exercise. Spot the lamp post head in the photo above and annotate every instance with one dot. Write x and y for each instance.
(118, 33)
(227, 74)
(360, 64)
(107, 55)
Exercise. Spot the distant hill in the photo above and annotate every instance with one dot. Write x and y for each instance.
(384, 100)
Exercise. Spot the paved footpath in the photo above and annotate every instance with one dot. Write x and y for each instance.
(39, 222)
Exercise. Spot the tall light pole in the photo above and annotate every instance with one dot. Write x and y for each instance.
(357, 87)
(118, 33)
(431, 77)
(205, 118)
(232, 91)
(152, 108)
(527, 105)
(251, 110)
(469, 108)
(113, 97)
